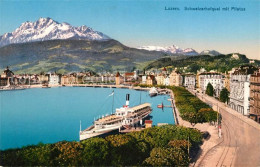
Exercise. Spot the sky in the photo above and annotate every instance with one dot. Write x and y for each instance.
(146, 22)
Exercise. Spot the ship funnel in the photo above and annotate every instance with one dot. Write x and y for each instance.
(127, 99)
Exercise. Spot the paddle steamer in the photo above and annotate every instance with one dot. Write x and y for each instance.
(123, 117)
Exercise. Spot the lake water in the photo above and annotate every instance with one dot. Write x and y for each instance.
(51, 115)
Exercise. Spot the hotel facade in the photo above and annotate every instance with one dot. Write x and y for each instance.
(240, 89)
(255, 96)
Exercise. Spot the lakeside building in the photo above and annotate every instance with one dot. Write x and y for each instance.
(54, 79)
(43, 78)
(254, 111)
(68, 79)
(14, 80)
(80, 77)
(143, 79)
(150, 80)
(6, 77)
(87, 79)
(160, 79)
(118, 78)
(214, 78)
(175, 78)
(189, 81)
(24, 79)
(167, 81)
(64, 80)
(34, 79)
(130, 76)
(108, 78)
(240, 90)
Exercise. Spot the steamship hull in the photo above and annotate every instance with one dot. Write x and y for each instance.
(92, 132)
(153, 92)
(124, 116)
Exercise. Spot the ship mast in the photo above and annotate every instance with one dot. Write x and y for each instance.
(127, 100)
(112, 101)
(80, 125)
(140, 96)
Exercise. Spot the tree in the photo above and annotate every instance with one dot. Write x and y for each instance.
(194, 68)
(65, 154)
(157, 146)
(209, 90)
(95, 152)
(208, 114)
(121, 147)
(224, 95)
(172, 156)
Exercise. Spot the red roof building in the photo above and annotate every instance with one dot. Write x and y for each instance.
(148, 123)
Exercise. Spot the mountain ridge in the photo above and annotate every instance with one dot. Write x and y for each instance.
(74, 55)
(48, 29)
(174, 49)
(221, 63)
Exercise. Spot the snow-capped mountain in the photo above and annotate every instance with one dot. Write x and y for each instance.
(171, 50)
(210, 52)
(48, 29)
(190, 52)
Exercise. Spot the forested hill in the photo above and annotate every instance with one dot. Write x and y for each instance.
(221, 63)
(74, 55)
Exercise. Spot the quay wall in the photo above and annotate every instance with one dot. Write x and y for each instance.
(175, 112)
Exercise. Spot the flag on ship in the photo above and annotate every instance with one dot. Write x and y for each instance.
(111, 93)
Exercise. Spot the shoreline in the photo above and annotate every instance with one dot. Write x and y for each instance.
(176, 116)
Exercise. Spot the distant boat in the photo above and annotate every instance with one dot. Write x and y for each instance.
(12, 88)
(45, 85)
(153, 92)
(160, 106)
(123, 117)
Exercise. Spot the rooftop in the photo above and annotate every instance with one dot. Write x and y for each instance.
(148, 121)
(140, 106)
(210, 73)
(129, 74)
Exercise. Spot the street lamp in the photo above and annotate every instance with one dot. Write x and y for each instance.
(219, 119)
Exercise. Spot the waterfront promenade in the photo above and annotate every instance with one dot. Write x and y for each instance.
(208, 144)
(239, 145)
(95, 86)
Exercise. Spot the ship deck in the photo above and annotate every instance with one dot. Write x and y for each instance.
(140, 106)
(108, 119)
